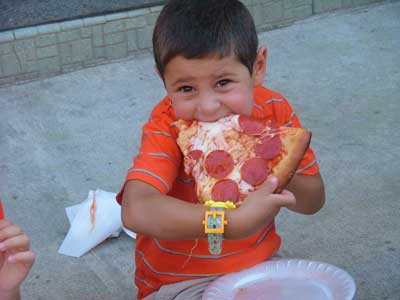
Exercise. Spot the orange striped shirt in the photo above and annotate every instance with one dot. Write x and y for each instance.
(159, 163)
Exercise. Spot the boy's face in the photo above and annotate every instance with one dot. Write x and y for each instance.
(210, 88)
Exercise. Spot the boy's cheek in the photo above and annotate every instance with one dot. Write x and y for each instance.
(182, 110)
(241, 104)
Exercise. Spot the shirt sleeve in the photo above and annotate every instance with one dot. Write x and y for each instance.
(287, 117)
(159, 157)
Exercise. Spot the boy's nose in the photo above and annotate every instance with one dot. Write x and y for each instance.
(209, 107)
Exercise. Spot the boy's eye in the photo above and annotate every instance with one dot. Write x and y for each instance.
(223, 82)
(186, 89)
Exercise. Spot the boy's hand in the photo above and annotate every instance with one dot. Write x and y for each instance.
(16, 259)
(260, 207)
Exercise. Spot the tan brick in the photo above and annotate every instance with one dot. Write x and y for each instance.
(46, 40)
(114, 38)
(113, 26)
(326, 5)
(49, 51)
(10, 64)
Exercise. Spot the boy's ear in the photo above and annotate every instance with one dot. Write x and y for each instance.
(260, 66)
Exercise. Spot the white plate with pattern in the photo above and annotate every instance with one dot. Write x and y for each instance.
(284, 279)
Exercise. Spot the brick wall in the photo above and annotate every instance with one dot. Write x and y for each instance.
(47, 50)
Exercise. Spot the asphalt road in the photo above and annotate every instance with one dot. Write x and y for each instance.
(63, 136)
(23, 13)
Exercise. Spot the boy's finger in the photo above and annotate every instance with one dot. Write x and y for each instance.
(16, 243)
(4, 223)
(27, 258)
(286, 192)
(285, 199)
(10, 231)
(269, 185)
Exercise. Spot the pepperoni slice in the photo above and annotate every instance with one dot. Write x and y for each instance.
(273, 124)
(195, 154)
(225, 190)
(193, 157)
(219, 163)
(254, 171)
(251, 126)
(269, 148)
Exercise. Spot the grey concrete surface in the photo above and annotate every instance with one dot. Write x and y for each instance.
(65, 135)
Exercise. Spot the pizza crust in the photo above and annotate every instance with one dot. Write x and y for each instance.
(295, 142)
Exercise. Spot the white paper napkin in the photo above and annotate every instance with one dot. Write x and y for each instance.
(92, 221)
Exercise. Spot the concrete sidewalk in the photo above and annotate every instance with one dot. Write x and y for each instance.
(62, 136)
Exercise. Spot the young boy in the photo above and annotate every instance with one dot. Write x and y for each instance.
(207, 55)
(16, 259)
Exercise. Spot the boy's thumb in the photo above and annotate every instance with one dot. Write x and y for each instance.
(271, 184)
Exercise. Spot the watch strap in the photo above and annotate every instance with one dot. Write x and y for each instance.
(214, 238)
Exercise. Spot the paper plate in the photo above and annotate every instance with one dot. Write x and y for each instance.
(284, 279)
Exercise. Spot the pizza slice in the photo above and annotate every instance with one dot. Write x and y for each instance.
(231, 157)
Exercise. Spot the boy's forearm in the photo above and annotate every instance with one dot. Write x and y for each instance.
(161, 216)
(168, 218)
(309, 192)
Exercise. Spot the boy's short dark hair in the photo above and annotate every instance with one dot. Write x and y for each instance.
(198, 28)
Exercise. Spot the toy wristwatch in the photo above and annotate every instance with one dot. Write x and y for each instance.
(214, 224)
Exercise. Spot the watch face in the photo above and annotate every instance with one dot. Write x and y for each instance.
(214, 223)
(215, 229)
